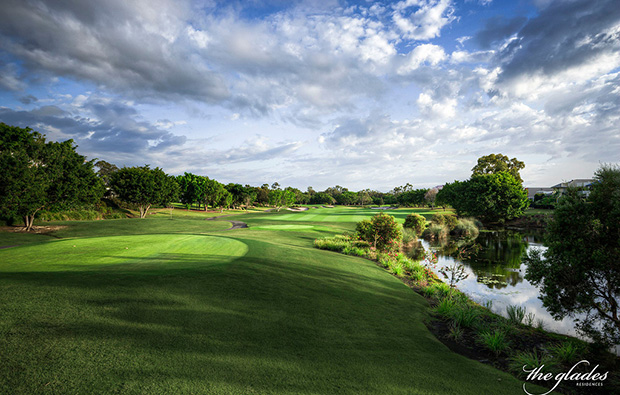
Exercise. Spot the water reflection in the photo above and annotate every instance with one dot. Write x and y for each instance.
(496, 272)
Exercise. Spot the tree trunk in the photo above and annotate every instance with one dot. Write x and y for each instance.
(143, 210)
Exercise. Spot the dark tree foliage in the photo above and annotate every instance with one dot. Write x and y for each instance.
(322, 198)
(491, 197)
(579, 273)
(36, 175)
(496, 163)
(105, 171)
(144, 187)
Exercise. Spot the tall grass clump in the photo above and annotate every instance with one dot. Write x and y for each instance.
(494, 341)
(567, 352)
(515, 313)
(466, 227)
(436, 231)
(529, 360)
(449, 220)
(466, 316)
(446, 307)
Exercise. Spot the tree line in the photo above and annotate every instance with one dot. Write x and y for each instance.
(40, 175)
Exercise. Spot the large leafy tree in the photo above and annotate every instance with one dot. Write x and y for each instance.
(281, 197)
(579, 273)
(491, 197)
(37, 175)
(496, 163)
(144, 187)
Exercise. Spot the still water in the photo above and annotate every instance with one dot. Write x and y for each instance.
(496, 273)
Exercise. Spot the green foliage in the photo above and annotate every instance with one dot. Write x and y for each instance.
(280, 198)
(436, 231)
(515, 313)
(144, 187)
(466, 227)
(523, 361)
(567, 352)
(105, 171)
(494, 341)
(466, 316)
(416, 222)
(382, 231)
(322, 198)
(579, 271)
(494, 197)
(37, 175)
(497, 163)
(446, 219)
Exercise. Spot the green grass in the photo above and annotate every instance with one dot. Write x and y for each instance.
(162, 305)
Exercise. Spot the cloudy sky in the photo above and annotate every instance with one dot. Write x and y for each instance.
(362, 94)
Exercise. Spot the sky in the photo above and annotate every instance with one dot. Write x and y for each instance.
(362, 94)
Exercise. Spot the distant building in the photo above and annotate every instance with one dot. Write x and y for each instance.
(581, 183)
(533, 191)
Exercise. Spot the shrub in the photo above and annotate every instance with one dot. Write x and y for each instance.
(337, 243)
(466, 227)
(446, 219)
(364, 230)
(515, 313)
(416, 222)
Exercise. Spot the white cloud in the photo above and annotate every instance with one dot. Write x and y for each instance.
(426, 22)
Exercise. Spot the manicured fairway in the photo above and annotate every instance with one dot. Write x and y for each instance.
(344, 214)
(160, 306)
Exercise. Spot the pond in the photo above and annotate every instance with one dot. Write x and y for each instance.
(496, 274)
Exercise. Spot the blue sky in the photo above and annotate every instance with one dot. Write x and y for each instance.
(318, 93)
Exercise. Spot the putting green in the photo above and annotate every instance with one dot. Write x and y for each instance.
(283, 227)
(139, 252)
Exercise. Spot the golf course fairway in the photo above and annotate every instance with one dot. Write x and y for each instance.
(174, 304)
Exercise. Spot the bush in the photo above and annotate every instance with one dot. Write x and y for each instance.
(446, 219)
(466, 227)
(416, 222)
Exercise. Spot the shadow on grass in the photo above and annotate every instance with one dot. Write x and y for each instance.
(302, 322)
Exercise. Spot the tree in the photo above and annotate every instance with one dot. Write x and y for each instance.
(105, 171)
(37, 175)
(430, 197)
(280, 198)
(322, 198)
(382, 231)
(496, 163)
(144, 187)
(579, 273)
(491, 197)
